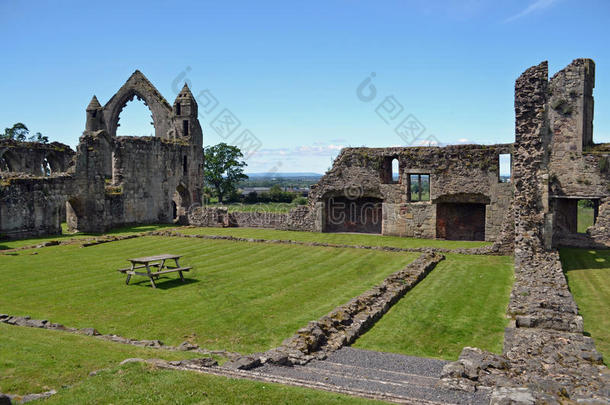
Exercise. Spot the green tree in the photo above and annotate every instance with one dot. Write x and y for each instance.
(18, 132)
(38, 137)
(223, 168)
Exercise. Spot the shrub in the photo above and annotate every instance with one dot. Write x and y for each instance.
(300, 201)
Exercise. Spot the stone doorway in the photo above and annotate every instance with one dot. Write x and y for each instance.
(460, 221)
(180, 205)
(361, 215)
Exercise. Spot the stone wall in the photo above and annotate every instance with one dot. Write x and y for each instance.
(31, 207)
(34, 158)
(466, 174)
(546, 357)
(578, 169)
(34, 184)
(273, 220)
(221, 217)
(111, 181)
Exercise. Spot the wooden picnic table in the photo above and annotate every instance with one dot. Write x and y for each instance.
(153, 262)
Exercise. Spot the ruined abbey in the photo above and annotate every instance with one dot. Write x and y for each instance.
(451, 192)
(110, 180)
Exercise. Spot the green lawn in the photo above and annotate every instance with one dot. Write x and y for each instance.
(11, 244)
(339, 238)
(37, 360)
(240, 296)
(462, 302)
(143, 384)
(588, 274)
(584, 219)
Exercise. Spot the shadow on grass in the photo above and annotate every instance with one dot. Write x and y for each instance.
(164, 283)
(594, 259)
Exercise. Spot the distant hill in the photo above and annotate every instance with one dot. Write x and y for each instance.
(284, 175)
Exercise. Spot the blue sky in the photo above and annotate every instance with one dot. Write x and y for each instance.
(289, 72)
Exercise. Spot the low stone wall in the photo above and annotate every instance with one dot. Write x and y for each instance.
(545, 351)
(343, 325)
(221, 217)
(273, 220)
(299, 218)
(541, 298)
(26, 321)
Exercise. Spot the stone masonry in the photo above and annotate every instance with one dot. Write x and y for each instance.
(111, 180)
(546, 357)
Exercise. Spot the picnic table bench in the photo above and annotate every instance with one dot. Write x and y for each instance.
(157, 263)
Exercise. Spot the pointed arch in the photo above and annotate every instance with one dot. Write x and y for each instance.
(138, 86)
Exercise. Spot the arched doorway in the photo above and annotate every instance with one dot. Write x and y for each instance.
(74, 210)
(9, 162)
(180, 205)
(4, 165)
(45, 167)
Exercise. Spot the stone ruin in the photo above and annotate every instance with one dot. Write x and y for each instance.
(464, 197)
(453, 192)
(111, 180)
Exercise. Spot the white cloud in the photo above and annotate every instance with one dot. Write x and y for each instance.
(537, 5)
(427, 142)
(463, 140)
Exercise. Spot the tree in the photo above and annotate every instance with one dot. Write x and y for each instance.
(223, 168)
(19, 132)
(38, 137)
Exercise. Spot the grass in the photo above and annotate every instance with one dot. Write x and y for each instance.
(143, 384)
(462, 302)
(584, 219)
(66, 235)
(240, 296)
(338, 238)
(588, 274)
(38, 360)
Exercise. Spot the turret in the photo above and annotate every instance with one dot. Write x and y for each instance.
(185, 113)
(95, 119)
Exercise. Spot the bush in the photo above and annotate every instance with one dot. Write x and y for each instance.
(300, 201)
(585, 203)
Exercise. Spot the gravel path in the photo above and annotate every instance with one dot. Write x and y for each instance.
(411, 378)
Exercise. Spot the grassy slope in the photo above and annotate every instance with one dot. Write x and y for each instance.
(461, 303)
(588, 274)
(241, 296)
(350, 239)
(11, 244)
(37, 360)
